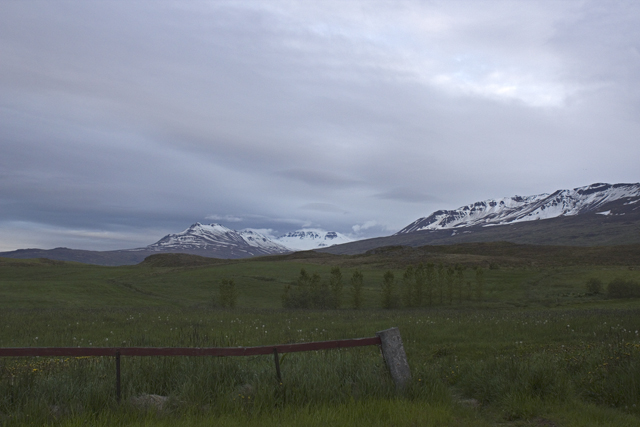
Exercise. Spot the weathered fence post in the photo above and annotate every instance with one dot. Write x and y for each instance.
(394, 356)
(277, 360)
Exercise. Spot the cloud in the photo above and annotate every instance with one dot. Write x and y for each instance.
(323, 207)
(125, 116)
(361, 227)
(318, 178)
(225, 218)
(405, 194)
(267, 232)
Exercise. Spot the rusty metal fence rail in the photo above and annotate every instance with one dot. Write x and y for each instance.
(117, 352)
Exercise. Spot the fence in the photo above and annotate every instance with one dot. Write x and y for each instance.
(389, 341)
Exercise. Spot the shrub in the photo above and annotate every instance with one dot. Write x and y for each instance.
(594, 286)
(621, 288)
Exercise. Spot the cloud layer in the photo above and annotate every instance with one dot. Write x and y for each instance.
(123, 121)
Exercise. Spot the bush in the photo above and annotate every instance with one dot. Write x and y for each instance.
(309, 291)
(621, 288)
(594, 286)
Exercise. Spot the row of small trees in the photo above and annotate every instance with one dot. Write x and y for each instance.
(419, 286)
(430, 284)
(310, 291)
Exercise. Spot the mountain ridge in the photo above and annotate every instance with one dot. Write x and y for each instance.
(510, 210)
(594, 215)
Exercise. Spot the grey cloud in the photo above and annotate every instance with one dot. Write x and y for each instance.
(225, 218)
(150, 116)
(323, 207)
(321, 178)
(405, 194)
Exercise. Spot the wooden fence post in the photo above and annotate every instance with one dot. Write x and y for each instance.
(277, 360)
(394, 356)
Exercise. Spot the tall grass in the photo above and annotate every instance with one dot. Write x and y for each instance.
(517, 364)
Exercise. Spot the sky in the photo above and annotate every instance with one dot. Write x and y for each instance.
(123, 121)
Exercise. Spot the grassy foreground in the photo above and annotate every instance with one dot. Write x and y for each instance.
(535, 350)
(470, 367)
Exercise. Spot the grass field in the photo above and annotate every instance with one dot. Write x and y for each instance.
(536, 349)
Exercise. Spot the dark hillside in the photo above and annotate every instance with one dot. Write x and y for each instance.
(580, 230)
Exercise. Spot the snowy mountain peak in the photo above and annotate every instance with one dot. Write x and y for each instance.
(514, 209)
(217, 237)
(311, 238)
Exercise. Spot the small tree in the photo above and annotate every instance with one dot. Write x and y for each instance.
(287, 301)
(335, 285)
(450, 283)
(318, 292)
(388, 290)
(356, 289)
(459, 282)
(298, 295)
(479, 283)
(227, 293)
(408, 286)
(440, 279)
(419, 282)
(314, 290)
(430, 279)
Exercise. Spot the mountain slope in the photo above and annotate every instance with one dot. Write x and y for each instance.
(217, 241)
(596, 215)
(510, 210)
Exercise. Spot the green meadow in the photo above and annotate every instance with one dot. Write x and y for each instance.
(534, 347)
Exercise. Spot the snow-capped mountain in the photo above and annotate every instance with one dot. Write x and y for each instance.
(308, 239)
(509, 210)
(218, 241)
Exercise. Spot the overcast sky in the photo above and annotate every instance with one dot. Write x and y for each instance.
(123, 121)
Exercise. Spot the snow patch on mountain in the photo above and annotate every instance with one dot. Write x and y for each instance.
(311, 238)
(515, 209)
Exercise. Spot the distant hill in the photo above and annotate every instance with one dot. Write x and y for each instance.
(108, 258)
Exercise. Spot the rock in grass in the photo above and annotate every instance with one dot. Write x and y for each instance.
(149, 402)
